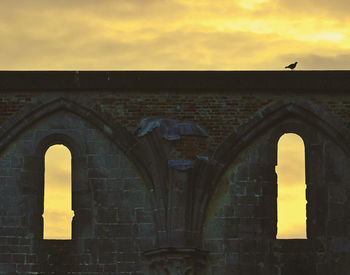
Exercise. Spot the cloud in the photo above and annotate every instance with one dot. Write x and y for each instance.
(57, 225)
(336, 59)
(143, 49)
(292, 231)
(291, 203)
(89, 10)
(291, 161)
(60, 216)
(57, 169)
(326, 62)
(333, 8)
(174, 34)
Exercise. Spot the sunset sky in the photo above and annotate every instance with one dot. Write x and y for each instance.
(175, 35)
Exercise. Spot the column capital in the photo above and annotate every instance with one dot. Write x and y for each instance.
(177, 261)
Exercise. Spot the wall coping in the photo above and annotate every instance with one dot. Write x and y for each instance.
(294, 82)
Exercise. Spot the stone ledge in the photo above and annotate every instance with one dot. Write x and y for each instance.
(175, 81)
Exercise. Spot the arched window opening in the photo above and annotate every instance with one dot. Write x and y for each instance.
(58, 212)
(291, 201)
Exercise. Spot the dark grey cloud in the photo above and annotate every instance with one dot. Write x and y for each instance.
(309, 61)
(318, 62)
(333, 9)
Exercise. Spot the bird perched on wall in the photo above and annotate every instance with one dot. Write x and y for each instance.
(291, 66)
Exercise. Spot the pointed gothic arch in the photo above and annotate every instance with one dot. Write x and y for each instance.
(81, 107)
(307, 112)
(88, 111)
(307, 115)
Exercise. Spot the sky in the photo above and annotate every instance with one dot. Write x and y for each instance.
(291, 200)
(58, 212)
(174, 34)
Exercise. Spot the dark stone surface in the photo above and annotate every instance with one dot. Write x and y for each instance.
(204, 202)
(169, 81)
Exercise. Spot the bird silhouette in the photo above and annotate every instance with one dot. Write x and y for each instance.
(291, 66)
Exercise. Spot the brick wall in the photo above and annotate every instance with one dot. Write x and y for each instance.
(202, 203)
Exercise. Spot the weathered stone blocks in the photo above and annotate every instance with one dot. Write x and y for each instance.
(193, 190)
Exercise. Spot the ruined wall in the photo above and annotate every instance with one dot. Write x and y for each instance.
(174, 172)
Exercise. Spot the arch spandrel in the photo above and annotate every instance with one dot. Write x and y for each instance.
(303, 118)
(47, 104)
(242, 210)
(270, 118)
(53, 127)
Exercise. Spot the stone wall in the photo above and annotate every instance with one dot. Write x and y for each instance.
(174, 172)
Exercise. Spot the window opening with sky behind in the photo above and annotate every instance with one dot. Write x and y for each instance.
(291, 202)
(58, 212)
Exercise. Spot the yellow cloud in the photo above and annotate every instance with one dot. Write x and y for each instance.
(176, 34)
(251, 4)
